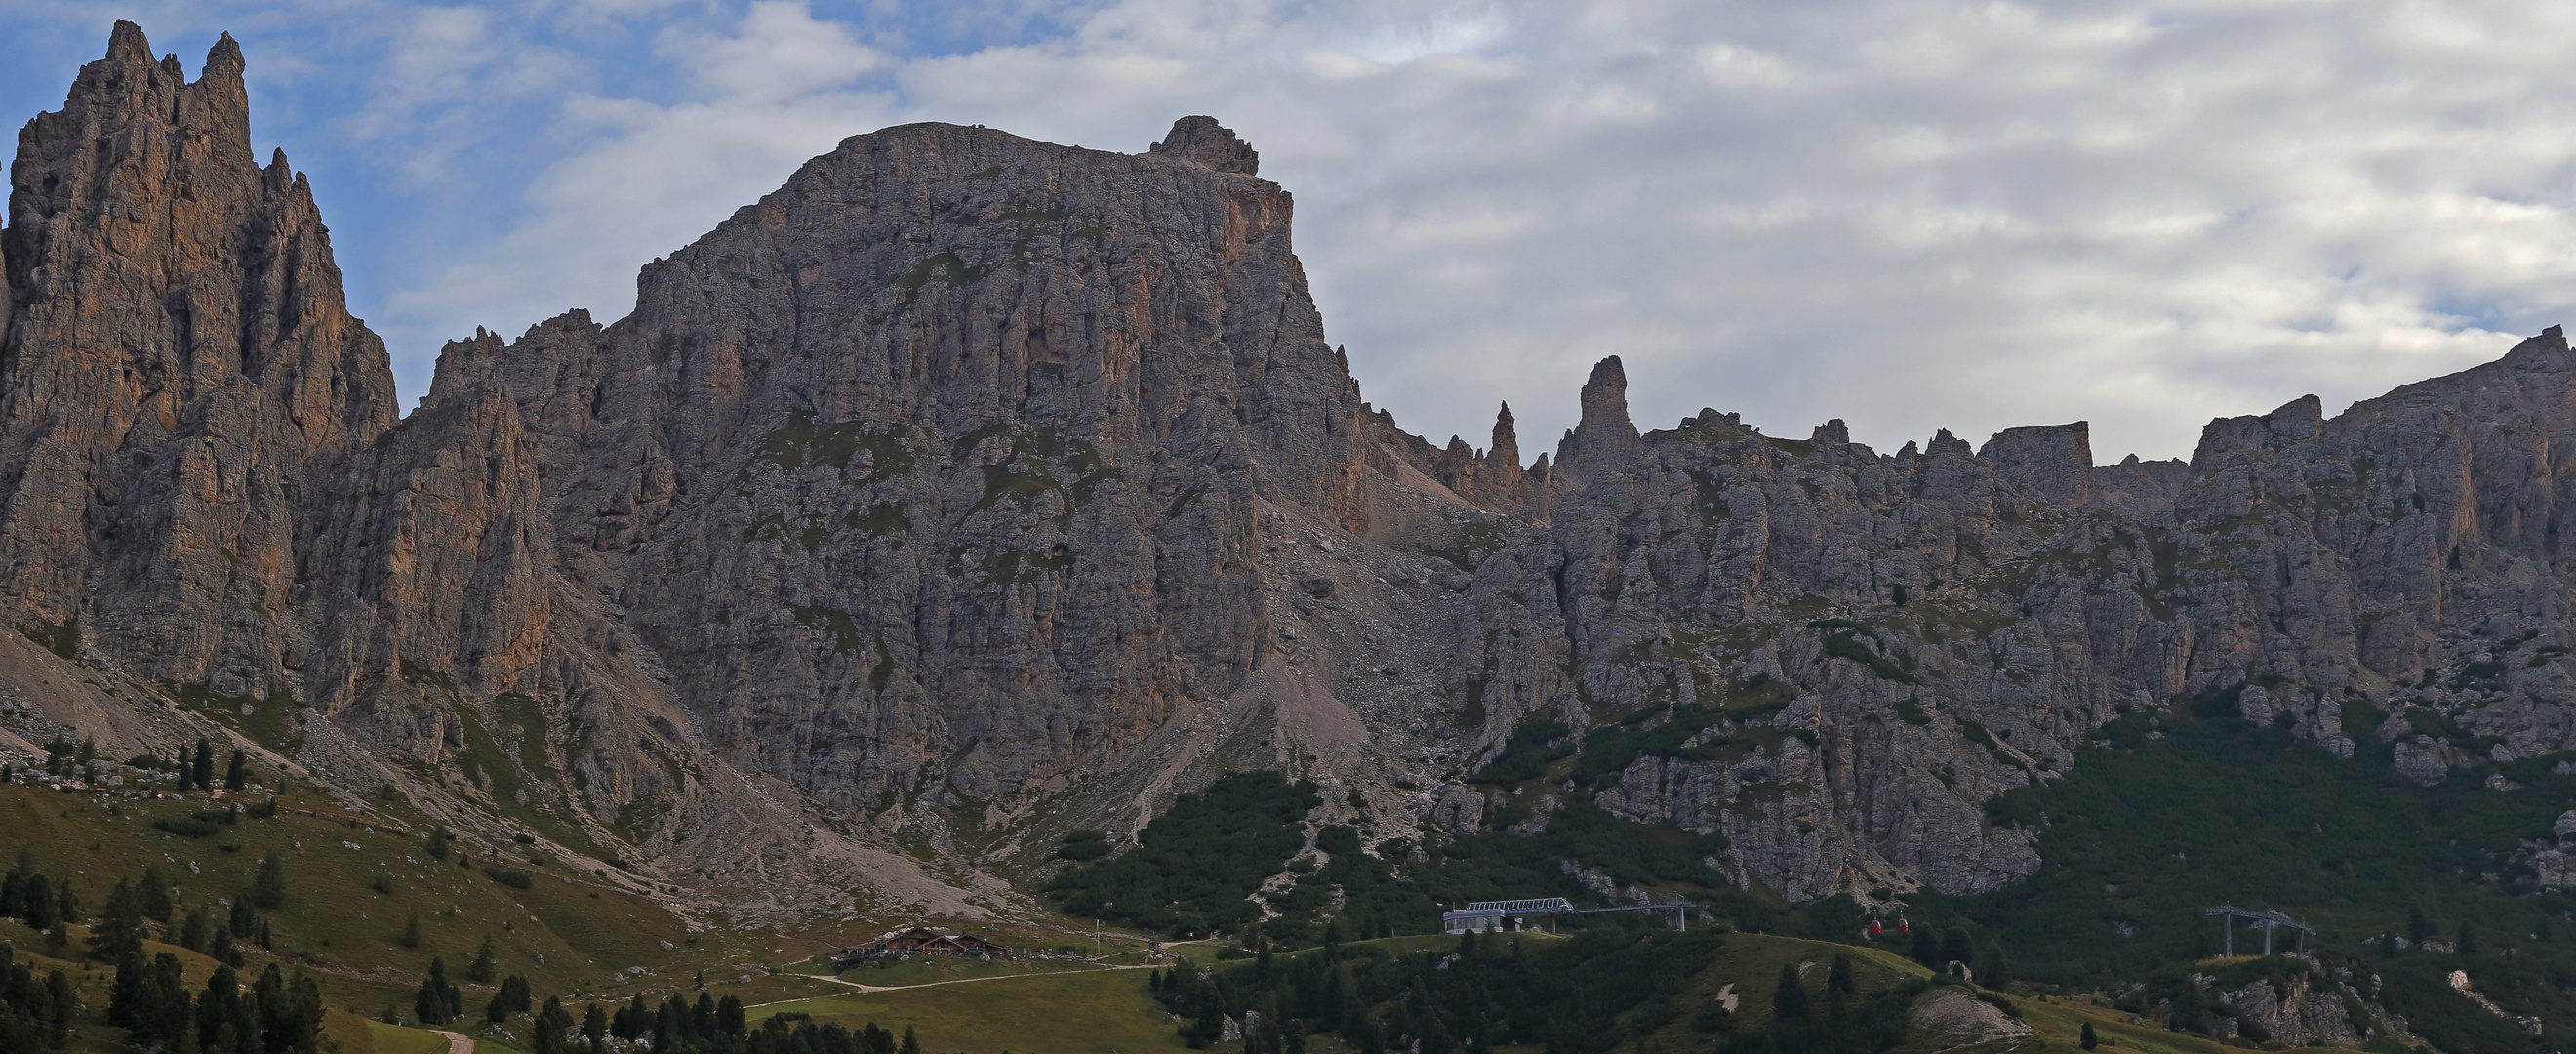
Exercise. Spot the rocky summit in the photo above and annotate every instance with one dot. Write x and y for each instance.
(969, 490)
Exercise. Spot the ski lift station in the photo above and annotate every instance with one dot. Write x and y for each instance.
(1489, 916)
(1513, 916)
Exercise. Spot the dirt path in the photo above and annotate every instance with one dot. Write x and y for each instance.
(457, 1042)
(866, 988)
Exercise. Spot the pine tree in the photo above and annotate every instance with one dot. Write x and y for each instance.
(119, 935)
(437, 845)
(130, 989)
(244, 918)
(911, 1041)
(237, 772)
(216, 1011)
(2418, 928)
(594, 1027)
(411, 932)
(67, 905)
(484, 967)
(155, 891)
(1840, 978)
(197, 931)
(1789, 1000)
(170, 1001)
(548, 1031)
(2089, 1040)
(203, 772)
(268, 887)
(2387, 945)
(38, 906)
(2468, 941)
(436, 1002)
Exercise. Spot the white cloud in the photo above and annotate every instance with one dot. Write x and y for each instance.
(1907, 214)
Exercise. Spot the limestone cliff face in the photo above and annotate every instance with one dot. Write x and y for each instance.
(969, 488)
(934, 472)
(177, 371)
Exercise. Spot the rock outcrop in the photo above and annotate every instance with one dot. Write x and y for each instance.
(969, 488)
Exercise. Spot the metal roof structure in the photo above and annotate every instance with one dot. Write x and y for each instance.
(2265, 919)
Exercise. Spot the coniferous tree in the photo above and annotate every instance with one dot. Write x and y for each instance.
(411, 932)
(1956, 948)
(438, 1000)
(217, 1011)
(221, 949)
(244, 918)
(2468, 942)
(237, 772)
(60, 998)
(2418, 928)
(548, 1032)
(437, 844)
(268, 886)
(594, 1027)
(67, 904)
(2089, 1040)
(126, 993)
(911, 1041)
(120, 930)
(2387, 945)
(484, 967)
(13, 885)
(1839, 979)
(38, 906)
(170, 1002)
(1789, 1000)
(202, 773)
(154, 893)
(199, 929)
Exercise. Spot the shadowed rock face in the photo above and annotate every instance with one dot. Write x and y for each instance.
(968, 488)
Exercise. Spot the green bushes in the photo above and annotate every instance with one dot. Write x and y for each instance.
(186, 826)
(1532, 747)
(2250, 815)
(1606, 987)
(510, 877)
(1192, 867)
(1084, 845)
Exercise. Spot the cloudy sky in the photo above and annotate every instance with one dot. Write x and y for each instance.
(1911, 214)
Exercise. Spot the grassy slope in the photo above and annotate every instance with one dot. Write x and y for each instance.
(2245, 815)
(1090, 1012)
(566, 933)
(1098, 1012)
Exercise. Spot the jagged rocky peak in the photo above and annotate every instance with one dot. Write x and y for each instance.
(1203, 141)
(1603, 435)
(179, 363)
(2295, 422)
(2055, 461)
(966, 469)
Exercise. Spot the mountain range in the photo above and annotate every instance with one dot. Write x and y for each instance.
(968, 491)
